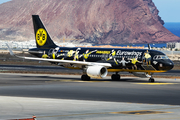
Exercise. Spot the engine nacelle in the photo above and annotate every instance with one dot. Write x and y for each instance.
(97, 71)
(141, 74)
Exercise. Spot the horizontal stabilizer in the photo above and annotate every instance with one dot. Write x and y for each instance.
(10, 50)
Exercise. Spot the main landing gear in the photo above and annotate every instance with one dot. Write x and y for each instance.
(85, 78)
(115, 77)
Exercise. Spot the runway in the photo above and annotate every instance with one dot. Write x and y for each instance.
(67, 97)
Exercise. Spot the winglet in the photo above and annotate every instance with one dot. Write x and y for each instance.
(10, 50)
(149, 47)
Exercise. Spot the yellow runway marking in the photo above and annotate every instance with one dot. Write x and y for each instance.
(137, 112)
(156, 83)
(140, 112)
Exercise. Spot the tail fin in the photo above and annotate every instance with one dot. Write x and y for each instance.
(43, 40)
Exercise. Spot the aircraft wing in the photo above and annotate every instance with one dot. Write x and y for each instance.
(61, 61)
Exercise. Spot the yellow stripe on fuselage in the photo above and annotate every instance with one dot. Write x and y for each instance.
(126, 70)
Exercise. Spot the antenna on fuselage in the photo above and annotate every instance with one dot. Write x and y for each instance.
(149, 47)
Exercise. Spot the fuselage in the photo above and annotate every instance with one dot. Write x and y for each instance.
(130, 60)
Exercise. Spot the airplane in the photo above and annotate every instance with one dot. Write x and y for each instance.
(97, 62)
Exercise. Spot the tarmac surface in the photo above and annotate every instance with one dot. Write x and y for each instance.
(67, 97)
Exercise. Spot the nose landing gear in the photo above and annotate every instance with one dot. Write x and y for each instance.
(151, 79)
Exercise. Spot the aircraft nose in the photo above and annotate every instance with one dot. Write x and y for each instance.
(170, 65)
(166, 65)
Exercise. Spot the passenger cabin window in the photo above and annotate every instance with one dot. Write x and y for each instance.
(157, 57)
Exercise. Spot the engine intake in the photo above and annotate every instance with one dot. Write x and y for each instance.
(97, 71)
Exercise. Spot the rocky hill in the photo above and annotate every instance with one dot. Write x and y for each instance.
(94, 21)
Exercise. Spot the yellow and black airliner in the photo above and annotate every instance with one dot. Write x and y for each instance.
(97, 62)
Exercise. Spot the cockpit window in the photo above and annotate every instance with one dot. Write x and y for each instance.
(157, 57)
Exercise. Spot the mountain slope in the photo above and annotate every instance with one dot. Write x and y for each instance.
(94, 21)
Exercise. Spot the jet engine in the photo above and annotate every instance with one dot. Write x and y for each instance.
(141, 74)
(97, 71)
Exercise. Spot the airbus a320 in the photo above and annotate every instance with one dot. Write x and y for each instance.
(97, 62)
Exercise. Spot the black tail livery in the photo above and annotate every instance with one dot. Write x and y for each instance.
(97, 62)
(43, 40)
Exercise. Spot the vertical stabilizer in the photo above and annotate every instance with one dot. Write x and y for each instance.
(43, 40)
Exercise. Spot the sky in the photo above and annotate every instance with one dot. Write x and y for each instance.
(2, 1)
(168, 9)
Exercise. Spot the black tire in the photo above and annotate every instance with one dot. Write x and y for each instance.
(85, 78)
(115, 77)
(151, 80)
(118, 77)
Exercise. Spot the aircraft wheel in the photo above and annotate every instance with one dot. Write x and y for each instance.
(151, 80)
(115, 77)
(85, 78)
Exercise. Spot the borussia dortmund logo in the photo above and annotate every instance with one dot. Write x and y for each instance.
(41, 37)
